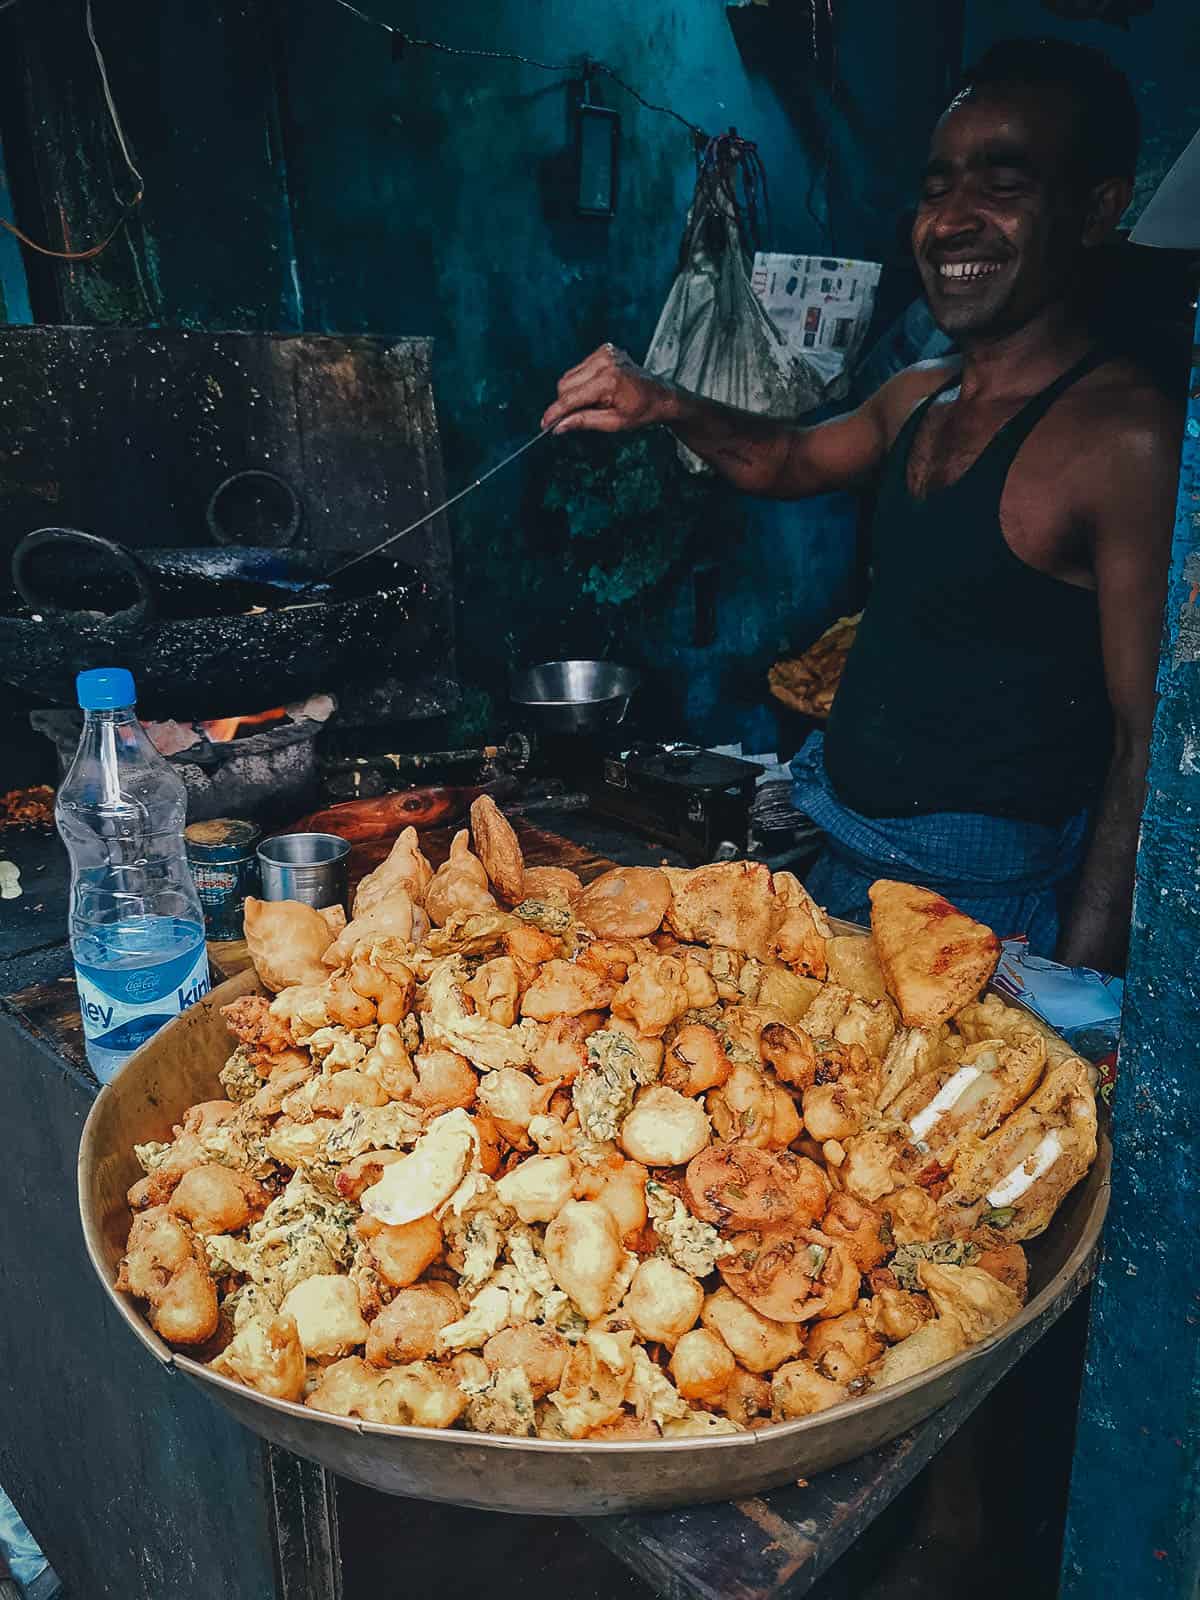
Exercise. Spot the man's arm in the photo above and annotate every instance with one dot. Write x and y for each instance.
(609, 393)
(1132, 548)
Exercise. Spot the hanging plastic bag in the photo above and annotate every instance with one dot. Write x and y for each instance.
(713, 336)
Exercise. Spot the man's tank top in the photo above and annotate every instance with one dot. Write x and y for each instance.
(975, 682)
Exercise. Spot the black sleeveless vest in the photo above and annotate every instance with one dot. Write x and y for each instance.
(975, 682)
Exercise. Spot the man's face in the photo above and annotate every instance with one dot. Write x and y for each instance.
(999, 226)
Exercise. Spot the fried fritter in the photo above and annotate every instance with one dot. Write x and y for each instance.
(251, 1022)
(758, 1342)
(553, 884)
(803, 936)
(389, 917)
(664, 1129)
(934, 958)
(286, 940)
(565, 989)
(403, 868)
(731, 903)
(215, 1199)
(266, 1354)
(740, 1186)
(624, 903)
(459, 884)
(165, 1265)
(702, 1365)
(695, 1060)
(504, 1160)
(800, 1388)
(540, 1353)
(408, 1326)
(498, 848)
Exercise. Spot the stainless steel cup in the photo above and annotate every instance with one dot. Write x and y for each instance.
(313, 867)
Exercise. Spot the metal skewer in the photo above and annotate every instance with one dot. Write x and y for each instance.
(427, 516)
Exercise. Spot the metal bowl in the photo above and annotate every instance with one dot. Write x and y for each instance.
(179, 1066)
(574, 696)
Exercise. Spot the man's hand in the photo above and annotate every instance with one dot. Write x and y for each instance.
(609, 393)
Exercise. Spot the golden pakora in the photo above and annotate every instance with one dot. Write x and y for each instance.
(498, 849)
(666, 1158)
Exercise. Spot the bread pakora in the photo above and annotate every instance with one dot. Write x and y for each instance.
(935, 959)
(666, 1158)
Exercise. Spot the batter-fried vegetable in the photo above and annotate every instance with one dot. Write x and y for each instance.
(653, 1160)
(739, 1186)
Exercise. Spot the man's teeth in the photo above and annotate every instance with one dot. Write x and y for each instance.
(968, 269)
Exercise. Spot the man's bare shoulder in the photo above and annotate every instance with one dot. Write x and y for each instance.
(899, 395)
(1116, 438)
(1119, 406)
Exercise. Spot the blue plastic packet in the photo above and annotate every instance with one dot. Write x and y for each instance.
(1083, 1005)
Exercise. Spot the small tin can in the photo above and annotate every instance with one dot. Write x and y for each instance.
(222, 856)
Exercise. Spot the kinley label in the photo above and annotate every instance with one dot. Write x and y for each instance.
(126, 1021)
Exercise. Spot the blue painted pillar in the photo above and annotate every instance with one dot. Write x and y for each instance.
(14, 290)
(1133, 1526)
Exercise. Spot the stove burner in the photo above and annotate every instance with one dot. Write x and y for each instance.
(268, 775)
(678, 794)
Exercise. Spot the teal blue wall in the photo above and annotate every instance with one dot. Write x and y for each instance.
(297, 177)
(433, 194)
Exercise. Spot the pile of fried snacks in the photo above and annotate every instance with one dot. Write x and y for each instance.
(664, 1156)
(807, 683)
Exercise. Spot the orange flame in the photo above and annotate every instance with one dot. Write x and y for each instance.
(222, 729)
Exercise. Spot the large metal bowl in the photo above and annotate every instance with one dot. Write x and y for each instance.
(574, 696)
(179, 1067)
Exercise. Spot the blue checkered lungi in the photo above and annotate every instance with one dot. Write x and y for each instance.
(1015, 876)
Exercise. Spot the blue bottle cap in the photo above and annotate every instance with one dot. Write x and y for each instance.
(105, 688)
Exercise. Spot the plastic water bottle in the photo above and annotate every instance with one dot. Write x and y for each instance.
(136, 928)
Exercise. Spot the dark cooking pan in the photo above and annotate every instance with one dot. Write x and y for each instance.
(203, 629)
(65, 569)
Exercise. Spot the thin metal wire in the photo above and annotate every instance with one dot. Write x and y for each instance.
(427, 516)
(128, 206)
(693, 128)
(112, 111)
(571, 67)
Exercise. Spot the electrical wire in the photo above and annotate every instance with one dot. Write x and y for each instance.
(128, 206)
(112, 111)
(573, 68)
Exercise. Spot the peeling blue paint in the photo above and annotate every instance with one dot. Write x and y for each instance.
(1134, 1521)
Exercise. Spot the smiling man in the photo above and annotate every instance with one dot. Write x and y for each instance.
(990, 734)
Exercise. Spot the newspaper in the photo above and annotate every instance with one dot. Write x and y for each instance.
(822, 307)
